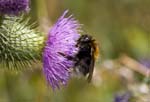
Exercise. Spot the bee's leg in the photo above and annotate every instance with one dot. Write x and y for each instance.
(66, 56)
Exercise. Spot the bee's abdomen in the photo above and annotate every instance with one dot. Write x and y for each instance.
(83, 59)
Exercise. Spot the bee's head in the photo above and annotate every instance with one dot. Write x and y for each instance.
(85, 38)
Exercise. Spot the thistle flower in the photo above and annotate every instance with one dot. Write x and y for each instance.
(145, 62)
(123, 97)
(60, 45)
(13, 7)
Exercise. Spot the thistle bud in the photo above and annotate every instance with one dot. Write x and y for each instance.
(20, 44)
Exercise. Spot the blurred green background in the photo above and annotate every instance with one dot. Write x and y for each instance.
(119, 26)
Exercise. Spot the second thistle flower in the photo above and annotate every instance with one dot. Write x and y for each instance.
(13, 7)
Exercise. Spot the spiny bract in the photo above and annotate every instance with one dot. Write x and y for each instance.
(20, 43)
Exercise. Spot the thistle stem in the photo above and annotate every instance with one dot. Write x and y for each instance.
(134, 65)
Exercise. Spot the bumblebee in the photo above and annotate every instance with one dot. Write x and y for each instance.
(86, 56)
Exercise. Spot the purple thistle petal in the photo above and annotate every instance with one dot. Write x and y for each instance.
(61, 39)
(13, 7)
(145, 62)
(125, 97)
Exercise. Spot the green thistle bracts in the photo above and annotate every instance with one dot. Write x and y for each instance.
(20, 43)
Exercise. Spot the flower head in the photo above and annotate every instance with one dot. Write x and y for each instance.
(20, 43)
(60, 45)
(13, 7)
(145, 62)
(123, 97)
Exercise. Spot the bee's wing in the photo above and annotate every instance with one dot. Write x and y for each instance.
(91, 67)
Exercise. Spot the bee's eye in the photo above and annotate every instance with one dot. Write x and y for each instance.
(86, 39)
